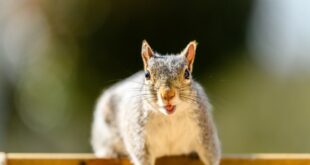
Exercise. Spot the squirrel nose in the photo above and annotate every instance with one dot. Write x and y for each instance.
(167, 94)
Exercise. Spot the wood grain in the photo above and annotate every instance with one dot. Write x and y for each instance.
(89, 159)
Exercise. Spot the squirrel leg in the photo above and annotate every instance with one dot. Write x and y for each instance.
(139, 153)
(209, 150)
(207, 157)
(136, 145)
(208, 146)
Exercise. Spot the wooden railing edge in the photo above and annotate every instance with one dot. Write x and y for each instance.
(2, 158)
(90, 159)
(267, 156)
(92, 156)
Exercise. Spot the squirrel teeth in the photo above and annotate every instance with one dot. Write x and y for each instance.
(170, 108)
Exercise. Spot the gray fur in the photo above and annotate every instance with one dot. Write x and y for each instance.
(127, 115)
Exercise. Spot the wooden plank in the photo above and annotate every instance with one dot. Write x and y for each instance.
(2, 158)
(89, 159)
(267, 159)
(61, 159)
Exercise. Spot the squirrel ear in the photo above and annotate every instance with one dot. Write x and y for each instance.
(189, 52)
(146, 53)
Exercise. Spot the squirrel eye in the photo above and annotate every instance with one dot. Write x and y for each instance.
(147, 75)
(186, 74)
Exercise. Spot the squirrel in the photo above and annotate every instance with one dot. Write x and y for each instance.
(160, 111)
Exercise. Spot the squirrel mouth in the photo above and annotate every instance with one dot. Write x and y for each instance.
(170, 108)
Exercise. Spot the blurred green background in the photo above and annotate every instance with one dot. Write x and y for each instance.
(56, 57)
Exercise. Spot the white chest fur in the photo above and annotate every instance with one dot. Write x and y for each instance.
(175, 134)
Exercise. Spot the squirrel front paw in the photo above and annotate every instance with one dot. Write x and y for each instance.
(106, 153)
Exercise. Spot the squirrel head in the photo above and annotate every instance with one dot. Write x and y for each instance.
(168, 77)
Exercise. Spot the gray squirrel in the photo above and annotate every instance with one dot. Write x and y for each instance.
(157, 112)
